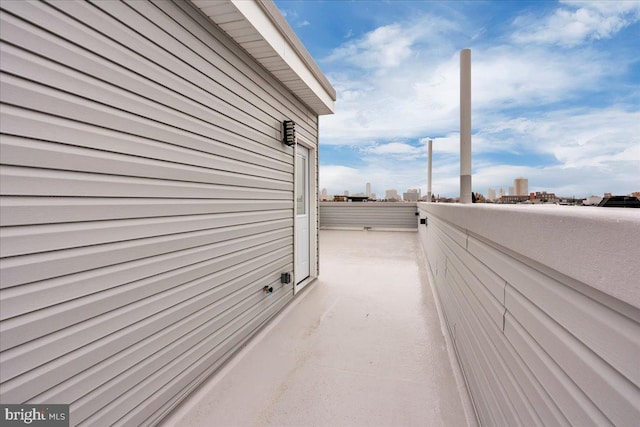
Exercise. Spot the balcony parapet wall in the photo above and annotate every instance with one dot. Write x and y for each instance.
(542, 305)
(369, 215)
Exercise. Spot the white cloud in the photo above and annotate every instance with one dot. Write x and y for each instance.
(385, 47)
(577, 22)
(595, 151)
(399, 83)
(392, 148)
(590, 139)
(294, 18)
(334, 177)
(422, 97)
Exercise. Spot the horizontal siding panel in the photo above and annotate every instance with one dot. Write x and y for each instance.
(486, 339)
(87, 381)
(474, 375)
(203, 56)
(470, 285)
(158, 83)
(196, 360)
(119, 327)
(450, 233)
(479, 318)
(199, 66)
(19, 181)
(206, 365)
(615, 395)
(534, 394)
(19, 300)
(56, 156)
(573, 403)
(34, 125)
(609, 334)
(27, 95)
(171, 94)
(30, 268)
(490, 412)
(483, 273)
(118, 102)
(252, 87)
(44, 210)
(75, 363)
(372, 215)
(174, 49)
(42, 322)
(159, 141)
(42, 238)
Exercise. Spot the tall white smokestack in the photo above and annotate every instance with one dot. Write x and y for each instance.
(465, 126)
(429, 169)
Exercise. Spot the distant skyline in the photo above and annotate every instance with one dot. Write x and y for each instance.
(555, 93)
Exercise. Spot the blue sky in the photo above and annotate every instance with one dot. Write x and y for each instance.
(555, 93)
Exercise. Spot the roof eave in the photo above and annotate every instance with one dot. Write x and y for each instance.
(261, 30)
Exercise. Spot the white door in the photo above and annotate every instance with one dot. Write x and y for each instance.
(302, 215)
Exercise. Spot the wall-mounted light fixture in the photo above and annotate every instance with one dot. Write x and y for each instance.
(289, 132)
(285, 278)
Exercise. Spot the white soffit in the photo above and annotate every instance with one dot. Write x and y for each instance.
(261, 30)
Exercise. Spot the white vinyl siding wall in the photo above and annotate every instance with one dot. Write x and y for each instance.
(536, 346)
(374, 215)
(147, 199)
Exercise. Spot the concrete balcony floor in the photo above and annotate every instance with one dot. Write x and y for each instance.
(362, 346)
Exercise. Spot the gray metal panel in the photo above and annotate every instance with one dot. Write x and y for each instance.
(368, 215)
(146, 201)
(533, 348)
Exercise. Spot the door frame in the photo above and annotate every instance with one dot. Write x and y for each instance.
(312, 190)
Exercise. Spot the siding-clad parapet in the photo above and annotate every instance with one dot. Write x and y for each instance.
(369, 215)
(543, 308)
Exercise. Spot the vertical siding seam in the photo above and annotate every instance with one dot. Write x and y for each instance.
(504, 305)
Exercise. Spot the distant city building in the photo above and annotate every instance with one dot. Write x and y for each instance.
(512, 199)
(411, 195)
(592, 201)
(544, 197)
(512, 191)
(368, 192)
(372, 196)
(392, 195)
(501, 193)
(346, 192)
(521, 186)
(491, 194)
(538, 197)
(324, 196)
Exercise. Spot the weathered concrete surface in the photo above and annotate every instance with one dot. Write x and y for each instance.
(362, 346)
